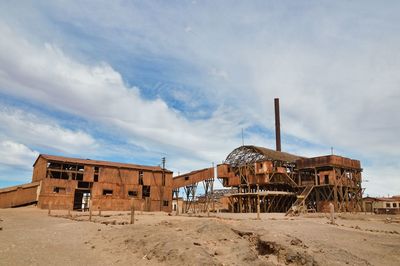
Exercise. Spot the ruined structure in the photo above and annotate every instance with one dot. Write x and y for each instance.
(382, 205)
(259, 180)
(265, 180)
(69, 183)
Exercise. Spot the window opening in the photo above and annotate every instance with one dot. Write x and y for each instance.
(82, 184)
(59, 189)
(141, 177)
(107, 192)
(145, 191)
(132, 193)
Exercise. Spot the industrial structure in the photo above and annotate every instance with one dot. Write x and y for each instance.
(265, 180)
(69, 183)
(259, 180)
(382, 205)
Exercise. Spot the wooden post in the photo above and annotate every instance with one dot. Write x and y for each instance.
(176, 193)
(177, 205)
(132, 212)
(99, 211)
(258, 203)
(49, 212)
(332, 213)
(90, 210)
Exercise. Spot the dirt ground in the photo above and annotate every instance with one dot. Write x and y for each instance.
(28, 236)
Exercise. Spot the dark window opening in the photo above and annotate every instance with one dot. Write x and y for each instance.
(79, 177)
(387, 205)
(261, 165)
(82, 184)
(186, 178)
(59, 189)
(107, 192)
(65, 171)
(141, 177)
(229, 169)
(394, 205)
(145, 191)
(96, 169)
(65, 175)
(165, 203)
(69, 167)
(52, 165)
(326, 179)
(96, 178)
(132, 193)
(54, 174)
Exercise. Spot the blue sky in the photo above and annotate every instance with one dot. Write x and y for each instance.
(134, 81)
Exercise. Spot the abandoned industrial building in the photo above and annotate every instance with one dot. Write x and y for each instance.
(258, 180)
(265, 180)
(69, 183)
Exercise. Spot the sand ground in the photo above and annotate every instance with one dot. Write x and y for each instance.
(28, 236)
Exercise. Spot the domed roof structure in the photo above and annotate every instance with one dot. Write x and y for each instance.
(251, 154)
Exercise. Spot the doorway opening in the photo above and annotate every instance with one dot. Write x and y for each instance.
(81, 199)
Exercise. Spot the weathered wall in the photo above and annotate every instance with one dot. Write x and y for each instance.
(192, 177)
(19, 195)
(39, 169)
(119, 180)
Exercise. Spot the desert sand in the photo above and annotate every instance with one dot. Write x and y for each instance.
(29, 236)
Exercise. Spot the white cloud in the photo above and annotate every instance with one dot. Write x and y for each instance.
(40, 131)
(97, 93)
(16, 155)
(334, 66)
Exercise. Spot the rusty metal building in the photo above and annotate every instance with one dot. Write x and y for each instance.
(67, 183)
(266, 180)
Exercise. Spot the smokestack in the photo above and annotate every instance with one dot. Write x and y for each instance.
(277, 125)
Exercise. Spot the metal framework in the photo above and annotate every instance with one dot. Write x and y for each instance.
(294, 190)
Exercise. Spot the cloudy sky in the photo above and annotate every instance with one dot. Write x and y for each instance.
(134, 81)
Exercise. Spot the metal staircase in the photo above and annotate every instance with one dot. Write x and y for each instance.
(299, 204)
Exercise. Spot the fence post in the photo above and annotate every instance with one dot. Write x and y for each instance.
(132, 212)
(90, 209)
(332, 212)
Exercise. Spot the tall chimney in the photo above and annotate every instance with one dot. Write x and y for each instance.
(277, 125)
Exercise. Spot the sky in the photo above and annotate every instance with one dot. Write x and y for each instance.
(135, 81)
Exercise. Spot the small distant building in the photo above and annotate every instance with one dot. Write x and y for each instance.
(68, 183)
(177, 204)
(390, 205)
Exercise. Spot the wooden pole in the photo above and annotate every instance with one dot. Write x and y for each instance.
(99, 211)
(258, 203)
(177, 205)
(49, 212)
(332, 213)
(132, 212)
(90, 210)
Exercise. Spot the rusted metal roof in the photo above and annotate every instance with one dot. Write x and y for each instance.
(13, 188)
(100, 163)
(250, 154)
